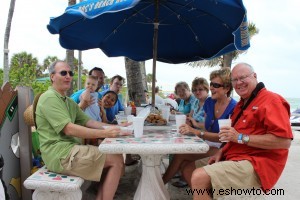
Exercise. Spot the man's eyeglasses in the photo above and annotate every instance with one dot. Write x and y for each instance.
(241, 78)
(64, 73)
(216, 85)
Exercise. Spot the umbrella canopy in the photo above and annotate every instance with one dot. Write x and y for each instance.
(171, 31)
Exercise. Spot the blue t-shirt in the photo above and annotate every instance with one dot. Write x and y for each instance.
(113, 111)
(186, 108)
(211, 124)
(76, 96)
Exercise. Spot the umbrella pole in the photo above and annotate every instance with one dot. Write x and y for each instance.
(155, 37)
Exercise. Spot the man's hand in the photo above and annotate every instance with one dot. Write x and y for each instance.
(112, 131)
(215, 158)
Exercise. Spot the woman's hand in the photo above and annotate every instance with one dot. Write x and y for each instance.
(186, 129)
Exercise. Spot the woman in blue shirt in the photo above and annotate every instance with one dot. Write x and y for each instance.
(219, 106)
(182, 90)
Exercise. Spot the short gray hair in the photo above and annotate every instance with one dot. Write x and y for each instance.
(248, 65)
(51, 67)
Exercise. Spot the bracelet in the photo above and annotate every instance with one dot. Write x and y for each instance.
(240, 139)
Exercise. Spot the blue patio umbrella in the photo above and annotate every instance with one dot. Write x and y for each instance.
(171, 31)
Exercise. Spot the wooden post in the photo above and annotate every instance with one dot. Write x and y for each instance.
(25, 98)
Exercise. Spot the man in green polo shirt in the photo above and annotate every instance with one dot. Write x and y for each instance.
(61, 125)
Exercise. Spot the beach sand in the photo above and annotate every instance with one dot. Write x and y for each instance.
(289, 182)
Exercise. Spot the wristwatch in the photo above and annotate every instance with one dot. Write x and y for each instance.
(201, 134)
(246, 139)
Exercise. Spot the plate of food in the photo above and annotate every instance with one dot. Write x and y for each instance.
(155, 120)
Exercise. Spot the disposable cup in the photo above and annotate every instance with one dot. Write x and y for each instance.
(138, 126)
(165, 112)
(180, 119)
(127, 110)
(138, 109)
(223, 123)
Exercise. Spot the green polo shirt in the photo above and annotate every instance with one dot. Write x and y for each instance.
(53, 112)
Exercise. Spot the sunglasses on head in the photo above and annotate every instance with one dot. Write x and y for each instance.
(216, 85)
(64, 73)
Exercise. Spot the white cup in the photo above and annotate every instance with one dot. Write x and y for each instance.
(138, 126)
(222, 123)
(128, 110)
(165, 112)
(180, 119)
(138, 109)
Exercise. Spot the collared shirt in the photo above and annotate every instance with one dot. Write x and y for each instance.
(53, 113)
(185, 108)
(267, 113)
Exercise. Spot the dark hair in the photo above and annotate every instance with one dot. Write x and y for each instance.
(96, 69)
(112, 92)
(181, 84)
(120, 78)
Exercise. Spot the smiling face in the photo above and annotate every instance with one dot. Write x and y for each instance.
(244, 80)
(217, 89)
(109, 100)
(100, 76)
(61, 81)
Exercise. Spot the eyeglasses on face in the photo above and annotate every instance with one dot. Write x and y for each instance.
(215, 85)
(241, 78)
(198, 90)
(64, 73)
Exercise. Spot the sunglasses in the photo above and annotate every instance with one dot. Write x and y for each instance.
(216, 85)
(64, 73)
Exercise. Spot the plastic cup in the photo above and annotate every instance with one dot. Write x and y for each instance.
(222, 123)
(138, 109)
(138, 126)
(165, 112)
(180, 119)
(127, 110)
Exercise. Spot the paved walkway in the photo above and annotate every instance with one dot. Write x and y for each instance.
(289, 181)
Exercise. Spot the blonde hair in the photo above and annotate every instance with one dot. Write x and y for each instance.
(225, 75)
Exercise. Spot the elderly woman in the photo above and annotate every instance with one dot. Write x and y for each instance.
(200, 89)
(219, 106)
(183, 91)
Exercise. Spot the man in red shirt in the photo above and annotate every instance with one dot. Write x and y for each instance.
(259, 139)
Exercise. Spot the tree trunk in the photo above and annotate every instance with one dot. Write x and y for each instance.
(70, 55)
(6, 41)
(136, 81)
(227, 59)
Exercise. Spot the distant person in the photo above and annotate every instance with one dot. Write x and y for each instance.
(205, 112)
(259, 138)
(99, 73)
(61, 124)
(158, 99)
(116, 84)
(183, 91)
(148, 100)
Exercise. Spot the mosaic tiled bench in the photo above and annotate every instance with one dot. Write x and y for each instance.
(52, 186)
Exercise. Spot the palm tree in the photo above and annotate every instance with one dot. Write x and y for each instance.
(226, 59)
(136, 80)
(70, 54)
(6, 41)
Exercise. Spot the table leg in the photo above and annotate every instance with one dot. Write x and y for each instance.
(151, 186)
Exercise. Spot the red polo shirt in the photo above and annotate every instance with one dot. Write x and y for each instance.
(267, 113)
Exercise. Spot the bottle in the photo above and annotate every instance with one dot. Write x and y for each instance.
(133, 108)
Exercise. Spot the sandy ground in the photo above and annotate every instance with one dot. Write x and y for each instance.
(288, 184)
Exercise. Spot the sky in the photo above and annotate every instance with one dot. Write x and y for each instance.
(274, 52)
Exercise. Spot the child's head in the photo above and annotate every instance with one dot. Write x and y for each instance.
(91, 83)
(109, 99)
